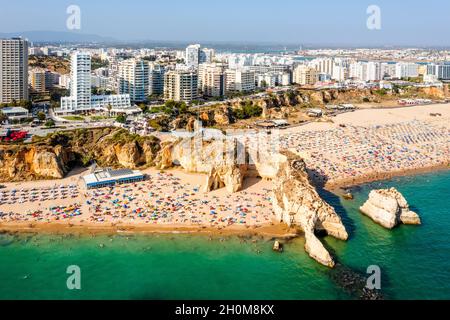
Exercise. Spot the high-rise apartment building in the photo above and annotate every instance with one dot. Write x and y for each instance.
(243, 80)
(81, 99)
(181, 85)
(156, 79)
(134, 79)
(38, 80)
(440, 71)
(206, 55)
(196, 55)
(212, 80)
(406, 70)
(193, 55)
(80, 75)
(305, 75)
(13, 70)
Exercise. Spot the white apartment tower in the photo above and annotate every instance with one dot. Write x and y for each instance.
(13, 70)
(81, 99)
(193, 55)
(181, 85)
(196, 55)
(80, 79)
(134, 79)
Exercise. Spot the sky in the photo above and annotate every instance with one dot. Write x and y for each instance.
(318, 22)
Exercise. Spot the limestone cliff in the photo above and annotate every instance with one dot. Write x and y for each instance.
(54, 155)
(200, 155)
(389, 208)
(19, 163)
(296, 202)
(281, 104)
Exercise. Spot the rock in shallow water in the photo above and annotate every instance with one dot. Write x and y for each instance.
(389, 208)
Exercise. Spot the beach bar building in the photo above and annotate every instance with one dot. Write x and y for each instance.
(107, 177)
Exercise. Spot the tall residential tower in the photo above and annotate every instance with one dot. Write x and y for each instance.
(13, 70)
(134, 79)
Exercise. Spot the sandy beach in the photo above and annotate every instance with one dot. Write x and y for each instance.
(373, 144)
(358, 147)
(170, 201)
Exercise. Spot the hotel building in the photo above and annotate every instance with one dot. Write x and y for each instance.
(81, 99)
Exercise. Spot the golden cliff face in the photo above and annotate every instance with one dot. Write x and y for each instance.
(32, 162)
(54, 156)
(295, 199)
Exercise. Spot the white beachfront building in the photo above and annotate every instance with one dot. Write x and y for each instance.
(81, 99)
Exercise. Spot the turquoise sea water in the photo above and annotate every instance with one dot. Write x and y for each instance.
(415, 261)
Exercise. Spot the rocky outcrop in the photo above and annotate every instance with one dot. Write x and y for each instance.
(230, 176)
(200, 155)
(223, 116)
(55, 155)
(128, 155)
(19, 163)
(296, 202)
(389, 208)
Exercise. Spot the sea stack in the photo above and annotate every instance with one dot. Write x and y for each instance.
(389, 208)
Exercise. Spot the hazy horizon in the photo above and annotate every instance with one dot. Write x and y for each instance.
(288, 22)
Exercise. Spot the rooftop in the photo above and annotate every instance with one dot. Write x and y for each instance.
(109, 175)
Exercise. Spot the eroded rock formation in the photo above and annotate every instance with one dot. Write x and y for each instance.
(54, 156)
(389, 208)
(33, 162)
(209, 157)
(296, 202)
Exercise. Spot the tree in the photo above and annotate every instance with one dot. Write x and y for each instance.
(50, 123)
(3, 117)
(143, 107)
(183, 108)
(41, 116)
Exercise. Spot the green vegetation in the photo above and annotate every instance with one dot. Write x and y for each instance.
(414, 79)
(21, 103)
(171, 108)
(123, 136)
(41, 116)
(97, 63)
(50, 123)
(291, 94)
(121, 118)
(98, 118)
(247, 111)
(155, 125)
(381, 92)
(73, 118)
(3, 117)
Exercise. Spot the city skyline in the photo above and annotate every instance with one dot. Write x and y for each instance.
(286, 22)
